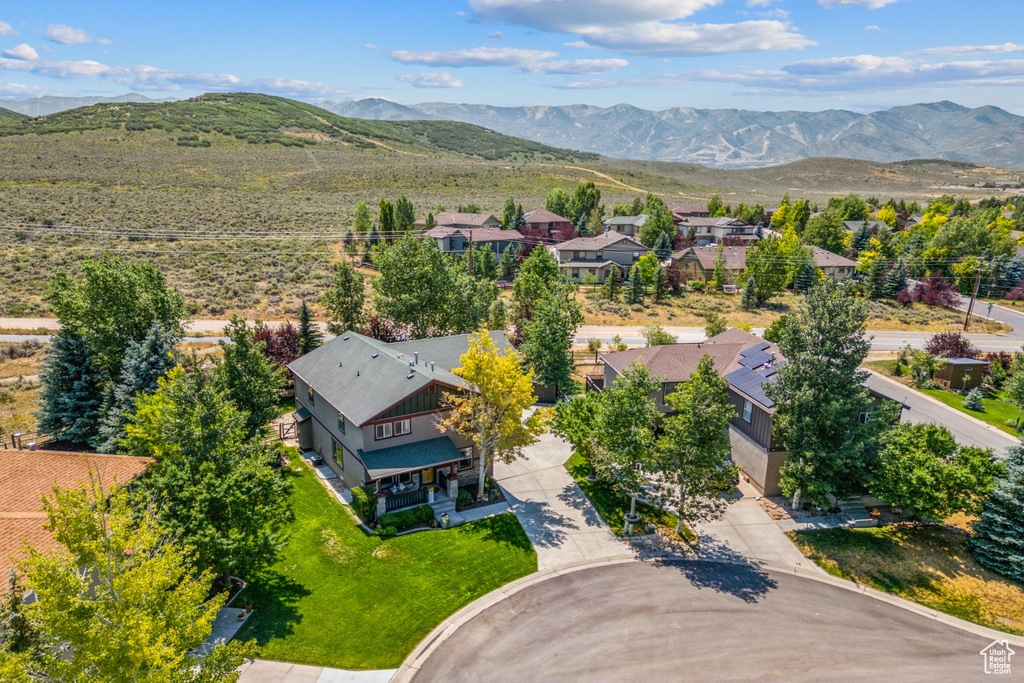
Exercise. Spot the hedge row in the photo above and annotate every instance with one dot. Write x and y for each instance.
(407, 518)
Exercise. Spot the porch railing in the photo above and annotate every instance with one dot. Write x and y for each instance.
(405, 499)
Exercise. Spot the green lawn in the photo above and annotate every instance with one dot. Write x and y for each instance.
(340, 598)
(613, 506)
(928, 565)
(997, 410)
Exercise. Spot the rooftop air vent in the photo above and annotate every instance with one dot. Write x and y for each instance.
(374, 355)
(416, 355)
(345, 338)
(431, 366)
(409, 376)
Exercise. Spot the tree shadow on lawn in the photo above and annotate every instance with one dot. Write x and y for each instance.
(274, 597)
(547, 528)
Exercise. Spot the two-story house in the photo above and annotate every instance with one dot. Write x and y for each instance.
(681, 211)
(551, 224)
(698, 263)
(457, 240)
(626, 225)
(747, 362)
(713, 230)
(460, 220)
(371, 410)
(598, 255)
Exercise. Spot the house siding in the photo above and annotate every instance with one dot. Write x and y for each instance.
(760, 426)
(324, 428)
(761, 466)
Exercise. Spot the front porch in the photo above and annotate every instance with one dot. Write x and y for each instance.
(417, 473)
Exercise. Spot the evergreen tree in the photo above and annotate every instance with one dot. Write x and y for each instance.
(144, 364)
(660, 283)
(748, 301)
(876, 279)
(663, 247)
(251, 380)
(862, 238)
(998, 537)
(896, 280)
(635, 286)
(17, 632)
(508, 264)
(430, 223)
(69, 404)
(973, 400)
(759, 231)
(497, 317)
(309, 334)
(348, 239)
(374, 238)
(611, 286)
(581, 225)
(520, 222)
(806, 279)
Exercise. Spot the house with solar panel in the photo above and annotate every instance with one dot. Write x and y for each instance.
(748, 363)
(370, 411)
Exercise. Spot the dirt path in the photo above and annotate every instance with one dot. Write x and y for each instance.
(603, 175)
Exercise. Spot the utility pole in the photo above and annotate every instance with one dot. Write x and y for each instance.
(974, 295)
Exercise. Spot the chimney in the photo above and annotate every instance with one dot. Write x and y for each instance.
(416, 355)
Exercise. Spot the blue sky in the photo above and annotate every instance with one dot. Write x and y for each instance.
(753, 54)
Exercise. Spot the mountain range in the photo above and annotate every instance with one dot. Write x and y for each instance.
(51, 104)
(736, 138)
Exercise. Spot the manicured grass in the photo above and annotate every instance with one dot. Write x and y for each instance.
(613, 506)
(343, 599)
(997, 409)
(928, 565)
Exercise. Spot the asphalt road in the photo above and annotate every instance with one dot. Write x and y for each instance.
(920, 408)
(700, 621)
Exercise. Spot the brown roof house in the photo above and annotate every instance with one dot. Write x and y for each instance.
(457, 240)
(680, 211)
(698, 263)
(714, 230)
(598, 255)
(748, 363)
(960, 374)
(460, 220)
(25, 476)
(370, 410)
(551, 223)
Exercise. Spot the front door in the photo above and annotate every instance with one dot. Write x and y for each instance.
(428, 476)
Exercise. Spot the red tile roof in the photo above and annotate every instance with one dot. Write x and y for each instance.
(28, 475)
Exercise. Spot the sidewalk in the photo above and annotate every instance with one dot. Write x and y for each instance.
(563, 526)
(266, 671)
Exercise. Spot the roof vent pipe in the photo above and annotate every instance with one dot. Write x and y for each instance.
(431, 366)
(416, 355)
(410, 364)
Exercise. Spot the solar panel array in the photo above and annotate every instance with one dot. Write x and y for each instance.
(758, 368)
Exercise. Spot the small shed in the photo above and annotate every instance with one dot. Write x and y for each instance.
(960, 373)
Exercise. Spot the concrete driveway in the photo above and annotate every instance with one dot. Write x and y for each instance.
(563, 526)
(700, 621)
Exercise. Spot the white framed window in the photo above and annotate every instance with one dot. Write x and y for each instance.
(403, 427)
(600, 255)
(341, 423)
(467, 459)
(748, 410)
(382, 431)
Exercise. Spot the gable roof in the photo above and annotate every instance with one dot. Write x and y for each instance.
(601, 241)
(854, 226)
(363, 377)
(452, 218)
(635, 221)
(544, 216)
(478, 234)
(712, 222)
(688, 209)
(736, 257)
(743, 358)
(28, 475)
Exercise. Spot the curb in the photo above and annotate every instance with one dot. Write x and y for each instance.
(447, 628)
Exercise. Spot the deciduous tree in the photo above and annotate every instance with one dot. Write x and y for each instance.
(548, 337)
(766, 264)
(251, 381)
(345, 298)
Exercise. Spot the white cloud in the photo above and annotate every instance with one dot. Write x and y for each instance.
(66, 35)
(870, 4)
(973, 49)
(145, 77)
(370, 46)
(575, 66)
(874, 28)
(20, 90)
(497, 35)
(650, 27)
(23, 51)
(759, 3)
(477, 56)
(437, 79)
(7, 30)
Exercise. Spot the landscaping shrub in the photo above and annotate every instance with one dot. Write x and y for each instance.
(465, 499)
(407, 518)
(387, 531)
(973, 401)
(364, 503)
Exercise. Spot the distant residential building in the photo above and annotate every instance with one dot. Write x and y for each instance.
(714, 230)
(597, 255)
(457, 240)
(550, 223)
(873, 225)
(681, 211)
(698, 263)
(960, 373)
(460, 220)
(626, 225)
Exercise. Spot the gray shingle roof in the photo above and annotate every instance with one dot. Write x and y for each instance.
(965, 361)
(363, 377)
(411, 456)
(598, 242)
(635, 221)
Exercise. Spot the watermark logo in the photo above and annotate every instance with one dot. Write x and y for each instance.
(997, 657)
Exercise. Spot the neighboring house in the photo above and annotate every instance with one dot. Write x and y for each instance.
(457, 240)
(698, 263)
(460, 220)
(626, 225)
(680, 211)
(960, 373)
(747, 362)
(28, 475)
(371, 410)
(598, 255)
(551, 223)
(873, 226)
(709, 230)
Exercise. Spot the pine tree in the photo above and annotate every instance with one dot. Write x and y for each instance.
(71, 396)
(862, 237)
(806, 279)
(973, 400)
(663, 247)
(431, 222)
(877, 277)
(348, 240)
(17, 632)
(896, 280)
(508, 264)
(759, 231)
(611, 286)
(635, 287)
(660, 284)
(998, 537)
(143, 365)
(309, 334)
(748, 301)
(582, 225)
